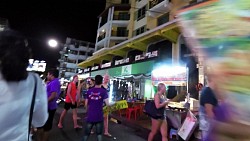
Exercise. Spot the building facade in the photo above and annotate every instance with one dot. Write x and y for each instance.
(4, 24)
(74, 52)
(131, 32)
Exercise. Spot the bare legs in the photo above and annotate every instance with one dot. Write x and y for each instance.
(62, 118)
(156, 125)
(74, 118)
(106, 125)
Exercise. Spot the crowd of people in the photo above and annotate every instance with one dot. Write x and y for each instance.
(18, 87)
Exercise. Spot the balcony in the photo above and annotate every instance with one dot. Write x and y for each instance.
(123, 33)
(101, 37)
(64, 65)
(81, 57)
(120, 35)
(72, 57)
(123, 17)
(69, 74)
(158, 7)
(83, 48)
(61, 60)
(71, 65)
(62, 52)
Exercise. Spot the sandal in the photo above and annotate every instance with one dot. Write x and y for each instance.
(78, 127)
(60, 126)
(107, 134)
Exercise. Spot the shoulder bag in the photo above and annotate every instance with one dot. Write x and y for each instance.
(151, 110)
(32, 106)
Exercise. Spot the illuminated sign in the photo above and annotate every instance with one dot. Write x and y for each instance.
(146, 56)
(170, 75)
(36, 65)
(95, 68)
(122, 61)
(79, 71)
(86, 70)
(106, 65)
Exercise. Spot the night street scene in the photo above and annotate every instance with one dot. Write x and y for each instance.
(125, 70)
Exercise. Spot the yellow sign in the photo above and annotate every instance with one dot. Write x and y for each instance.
(122, 104)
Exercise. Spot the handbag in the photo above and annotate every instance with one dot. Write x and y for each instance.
(151, 110)
(32, 106)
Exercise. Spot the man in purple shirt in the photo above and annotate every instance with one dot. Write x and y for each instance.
(94, 103)
(53, 91)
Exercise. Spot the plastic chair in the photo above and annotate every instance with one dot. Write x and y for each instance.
(130, 111)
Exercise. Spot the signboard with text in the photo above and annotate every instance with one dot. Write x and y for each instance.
(106, 65)
(175, 76)
(122, 61)
(146, 56)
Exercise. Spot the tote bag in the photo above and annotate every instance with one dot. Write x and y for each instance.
(151, 110)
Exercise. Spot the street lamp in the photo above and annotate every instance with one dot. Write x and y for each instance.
(52, 43)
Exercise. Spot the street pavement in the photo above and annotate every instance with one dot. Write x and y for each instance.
(68, 133)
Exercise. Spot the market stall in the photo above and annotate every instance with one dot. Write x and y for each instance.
(176, 80)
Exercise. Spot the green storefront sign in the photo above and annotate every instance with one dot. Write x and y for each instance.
(131, 69)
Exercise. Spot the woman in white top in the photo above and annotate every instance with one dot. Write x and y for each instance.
(16, 89)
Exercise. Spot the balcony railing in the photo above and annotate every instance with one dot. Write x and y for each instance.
(153, 3)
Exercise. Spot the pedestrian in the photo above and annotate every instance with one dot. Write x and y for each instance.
(53, 91)
(95, 98)
(81, 90)
(105, 85)
(70, 102)
(208, 103)
(218, 117)
(159, 123)
(17, 88)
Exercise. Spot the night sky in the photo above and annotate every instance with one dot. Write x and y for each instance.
(42, 20)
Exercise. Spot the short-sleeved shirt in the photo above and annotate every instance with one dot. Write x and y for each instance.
(95, 98)
(53, 86)
(207, 97)
(72, 93)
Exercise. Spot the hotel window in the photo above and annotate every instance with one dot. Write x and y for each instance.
(125, 2)
(141, 13)
(163, 19)
(140, 30)
(82, 53)
(123, 16)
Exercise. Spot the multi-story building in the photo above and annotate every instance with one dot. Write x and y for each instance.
(74, 52)
(135, 35)
(3, 24)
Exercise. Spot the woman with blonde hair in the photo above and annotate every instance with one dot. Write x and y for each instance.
(105, 85)
(159, 122)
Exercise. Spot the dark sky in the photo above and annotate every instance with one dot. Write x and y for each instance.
(42, 20)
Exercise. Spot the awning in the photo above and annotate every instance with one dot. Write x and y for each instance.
(169, 31)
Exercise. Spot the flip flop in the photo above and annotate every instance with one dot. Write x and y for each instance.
(107, 134)
(59, 126)
(78, 127)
